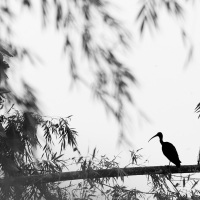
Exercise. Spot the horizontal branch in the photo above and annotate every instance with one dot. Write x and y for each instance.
(103, 173)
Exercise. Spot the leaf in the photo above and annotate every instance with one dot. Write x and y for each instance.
(195, 183)
(107, 191)
(3, 91)
(58, 157)
(183, 182)
(141, 12)
(184, 35)
(178, 8)
(93, 155)
(53, 156)
(139, 149)
(190, 55)
(197, 109)
(80, 159)
(27, 3)
(7, 11)
(3, 75)
(2, 131)
(59, 15)
(2, 50)
(143, 24)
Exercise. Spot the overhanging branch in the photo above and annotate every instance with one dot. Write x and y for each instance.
(91, 174)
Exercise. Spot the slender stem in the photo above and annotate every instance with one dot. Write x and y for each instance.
(173, 185)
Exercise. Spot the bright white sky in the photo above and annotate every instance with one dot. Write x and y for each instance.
(167, 92)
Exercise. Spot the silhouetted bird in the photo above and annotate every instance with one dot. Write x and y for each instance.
(168, 150)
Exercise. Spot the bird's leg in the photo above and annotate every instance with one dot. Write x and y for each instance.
(168, 167)
(168, 172)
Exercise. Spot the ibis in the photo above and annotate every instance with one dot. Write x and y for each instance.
(168, 150)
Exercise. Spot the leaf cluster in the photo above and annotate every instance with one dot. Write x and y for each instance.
(18, 144)
(168, 186)
(80, 23)
(109, 78)
(148, 14)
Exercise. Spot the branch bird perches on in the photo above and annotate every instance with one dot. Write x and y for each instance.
(94, 174)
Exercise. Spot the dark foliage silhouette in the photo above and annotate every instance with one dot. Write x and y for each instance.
(19, 141)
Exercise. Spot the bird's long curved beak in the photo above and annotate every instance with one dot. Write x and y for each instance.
(153, 137)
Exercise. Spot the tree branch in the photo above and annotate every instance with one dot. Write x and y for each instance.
(91, 174)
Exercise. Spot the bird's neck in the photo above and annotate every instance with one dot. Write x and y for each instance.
(161, 140)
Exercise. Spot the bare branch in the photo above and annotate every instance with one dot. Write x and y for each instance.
(95, 174)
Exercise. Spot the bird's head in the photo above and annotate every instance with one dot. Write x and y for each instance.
(159, 134)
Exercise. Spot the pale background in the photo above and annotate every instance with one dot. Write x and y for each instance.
(168, 90)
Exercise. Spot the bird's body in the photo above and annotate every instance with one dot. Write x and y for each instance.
(169, 150)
